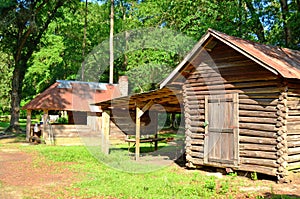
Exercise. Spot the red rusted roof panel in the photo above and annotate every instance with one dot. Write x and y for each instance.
(72, 96)
(285, 61)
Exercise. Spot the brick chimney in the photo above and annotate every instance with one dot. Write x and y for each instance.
(123, 85)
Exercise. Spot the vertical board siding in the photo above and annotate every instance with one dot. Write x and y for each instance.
(258, 91)
(221, 132)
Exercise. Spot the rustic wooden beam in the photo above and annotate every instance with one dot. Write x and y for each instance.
(214, 80)
(258, 147)
(137, 133)
(194, 161)
(258, 114)
(293, 151)
(258, 120)
(258, 133)
(294, 158)
(197, 148)
(259, 162)
(255, 126)
(258, 154)
(105, 131)
(258, 168)
(293, 165)
(293, 132)
(196, 135)
(156, 130)
(44, 132)
(28, 125)
(239, 84)
(145, 108)
(292, 138)
(258, 140)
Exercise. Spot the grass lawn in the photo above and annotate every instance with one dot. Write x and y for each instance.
(101, 180)
(92, 178)
(117, 176)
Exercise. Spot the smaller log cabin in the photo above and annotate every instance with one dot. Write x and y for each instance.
(74, 98)
(241, 105)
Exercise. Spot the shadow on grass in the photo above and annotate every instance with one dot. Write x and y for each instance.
(143, 149)
(280, 196)
(13, 138)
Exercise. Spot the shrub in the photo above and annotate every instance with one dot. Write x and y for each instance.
(62, 120)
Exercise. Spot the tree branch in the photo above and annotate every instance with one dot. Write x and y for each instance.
(36, 40)
(284, 13)
(259, 31)
(41, 6)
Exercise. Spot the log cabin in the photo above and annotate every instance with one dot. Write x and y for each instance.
(241, 104)
(240, 101)
(73, 98)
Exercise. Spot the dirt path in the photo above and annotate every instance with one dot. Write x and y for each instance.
(22, 173)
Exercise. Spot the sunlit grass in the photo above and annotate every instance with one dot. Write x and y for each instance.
(103, 180)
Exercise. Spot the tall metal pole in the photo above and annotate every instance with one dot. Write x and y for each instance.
(84, 40)
(111, 44)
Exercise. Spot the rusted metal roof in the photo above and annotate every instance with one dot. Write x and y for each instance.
(283, 60)
(280, 61)
(73, 96)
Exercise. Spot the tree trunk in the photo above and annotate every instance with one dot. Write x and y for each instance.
(27, 41)
(16, 94)
(259, 29)
(287, 30)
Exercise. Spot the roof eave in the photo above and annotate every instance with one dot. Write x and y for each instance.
(245, 53)
(215, 34)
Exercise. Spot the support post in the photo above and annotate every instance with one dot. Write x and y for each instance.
(145, 108)
(44, 131)
(137, 133)
(28, 125)
(156, 131)
(105, 130)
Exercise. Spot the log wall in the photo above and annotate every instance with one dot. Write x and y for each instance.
(86, 131)
(293, 124)
(125, 121)
(260, 116)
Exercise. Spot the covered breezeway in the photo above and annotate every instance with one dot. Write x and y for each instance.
(137, 108)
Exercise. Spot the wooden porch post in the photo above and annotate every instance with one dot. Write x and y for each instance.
(105, 130)
(138, 115)
(45, 117)
(28, 125)
(156, 129)
(137, 132)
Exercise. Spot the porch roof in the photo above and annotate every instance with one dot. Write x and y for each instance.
(168, 99)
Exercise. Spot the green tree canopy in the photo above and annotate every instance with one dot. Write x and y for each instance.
(22, 26)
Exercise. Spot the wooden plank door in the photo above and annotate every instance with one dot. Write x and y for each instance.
(221, 131)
